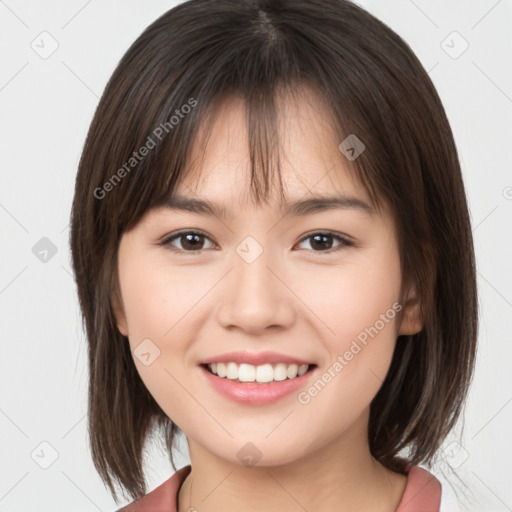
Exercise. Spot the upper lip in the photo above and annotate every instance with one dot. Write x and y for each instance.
(255, 359)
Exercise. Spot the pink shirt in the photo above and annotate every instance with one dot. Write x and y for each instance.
(422, 494)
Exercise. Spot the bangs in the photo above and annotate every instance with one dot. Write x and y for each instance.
(263, 115)
(170, 114)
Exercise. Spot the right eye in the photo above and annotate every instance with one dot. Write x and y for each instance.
(190, 241)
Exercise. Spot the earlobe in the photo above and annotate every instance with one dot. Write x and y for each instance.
(411, 319)
(119, 315)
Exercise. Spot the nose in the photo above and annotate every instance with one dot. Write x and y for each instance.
(256, 297)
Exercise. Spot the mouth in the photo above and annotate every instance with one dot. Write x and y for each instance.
(257, 385)
(261, 374)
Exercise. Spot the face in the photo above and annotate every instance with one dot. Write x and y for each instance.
(315, 287)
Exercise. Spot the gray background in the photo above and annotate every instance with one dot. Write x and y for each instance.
(46, 105)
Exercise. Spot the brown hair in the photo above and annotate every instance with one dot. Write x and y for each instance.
(197, 54)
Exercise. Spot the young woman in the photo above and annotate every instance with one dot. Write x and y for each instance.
(273, 255)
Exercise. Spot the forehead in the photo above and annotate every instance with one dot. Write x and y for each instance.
(219, 168)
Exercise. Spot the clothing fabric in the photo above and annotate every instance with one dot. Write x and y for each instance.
(422, 493)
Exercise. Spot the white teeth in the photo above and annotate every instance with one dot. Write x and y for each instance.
(291, 372)
(302, 369)
(280, 371)
(232, 371)
(221, 369)
(263, 373)
(246, 373)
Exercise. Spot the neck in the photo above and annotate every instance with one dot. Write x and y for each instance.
(341, 476)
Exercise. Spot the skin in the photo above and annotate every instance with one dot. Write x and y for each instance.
(312, 304)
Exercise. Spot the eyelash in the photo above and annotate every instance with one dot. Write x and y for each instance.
(344, 242)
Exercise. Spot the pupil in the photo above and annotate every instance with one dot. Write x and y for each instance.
(316, 240)
(189, 241)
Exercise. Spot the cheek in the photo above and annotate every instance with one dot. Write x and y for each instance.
(350, 297)
(357, 306)
(158, 300)
(158, 307)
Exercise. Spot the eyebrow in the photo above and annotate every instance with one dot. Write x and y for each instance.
(298, 208)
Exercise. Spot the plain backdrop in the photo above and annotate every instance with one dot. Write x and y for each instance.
(46, 104)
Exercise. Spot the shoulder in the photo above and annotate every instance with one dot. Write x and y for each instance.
(162, 498)
(422, 493)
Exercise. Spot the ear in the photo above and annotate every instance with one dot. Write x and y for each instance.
(411, 318)
(119, 314)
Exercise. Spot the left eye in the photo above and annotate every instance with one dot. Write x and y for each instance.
(192, 241)
(323, 240)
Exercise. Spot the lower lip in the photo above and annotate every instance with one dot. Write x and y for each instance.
(253, 393)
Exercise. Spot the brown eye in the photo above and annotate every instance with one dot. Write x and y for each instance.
(323, 242)
(190, 241)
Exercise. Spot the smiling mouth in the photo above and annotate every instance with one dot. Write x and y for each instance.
(262, 374)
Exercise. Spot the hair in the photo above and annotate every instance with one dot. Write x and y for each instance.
(201, 53)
